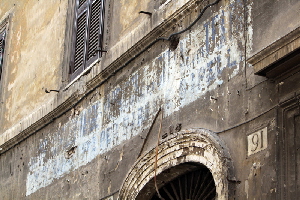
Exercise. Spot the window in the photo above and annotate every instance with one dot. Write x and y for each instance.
(88, 35)
(2, 45)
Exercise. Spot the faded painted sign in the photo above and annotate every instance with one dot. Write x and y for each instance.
(172, 80)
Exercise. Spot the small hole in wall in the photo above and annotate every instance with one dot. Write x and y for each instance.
(178, 127)
(174, 40)
(164, 136)
(70, 152)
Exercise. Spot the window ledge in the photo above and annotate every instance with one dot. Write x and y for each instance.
(86, 71)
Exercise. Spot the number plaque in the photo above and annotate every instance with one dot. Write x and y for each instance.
(257, 141)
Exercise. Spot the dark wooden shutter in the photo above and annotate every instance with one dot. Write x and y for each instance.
(2, 45)
(88, 37)
(80, 42)
(95, 30)
(81, 2)
(78, 60)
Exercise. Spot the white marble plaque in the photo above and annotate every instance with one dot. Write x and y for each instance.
(257, 141)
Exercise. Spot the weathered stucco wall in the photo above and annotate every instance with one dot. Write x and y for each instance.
(272, 20)
(34, 50)
(204, 83)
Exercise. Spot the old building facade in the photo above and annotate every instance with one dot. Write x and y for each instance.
(183, 99)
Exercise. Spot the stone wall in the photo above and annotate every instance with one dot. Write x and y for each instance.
(83, 141)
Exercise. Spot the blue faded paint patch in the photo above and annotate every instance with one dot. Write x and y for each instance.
(174, 79)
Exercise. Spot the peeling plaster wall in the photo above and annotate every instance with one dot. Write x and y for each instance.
(172, 80)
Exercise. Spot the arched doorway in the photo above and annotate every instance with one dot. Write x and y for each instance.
(197, 155)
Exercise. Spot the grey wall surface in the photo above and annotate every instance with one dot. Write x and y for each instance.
(202, 82)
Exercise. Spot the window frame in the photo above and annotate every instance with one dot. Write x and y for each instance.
(3, 33)
(4, 27)
(85, 7)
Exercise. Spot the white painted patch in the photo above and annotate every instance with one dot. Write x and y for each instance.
(173, 80)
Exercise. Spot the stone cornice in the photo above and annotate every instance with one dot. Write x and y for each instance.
(264, 61)
(34, 122)
(155, 33)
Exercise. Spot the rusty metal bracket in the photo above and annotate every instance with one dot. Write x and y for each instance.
(144, 12)
(48, 91)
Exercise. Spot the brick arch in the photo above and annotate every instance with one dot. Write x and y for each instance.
(199, 146)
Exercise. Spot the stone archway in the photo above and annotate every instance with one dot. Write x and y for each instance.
(182, 152)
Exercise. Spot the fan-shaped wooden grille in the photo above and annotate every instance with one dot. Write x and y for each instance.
(193, 185)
